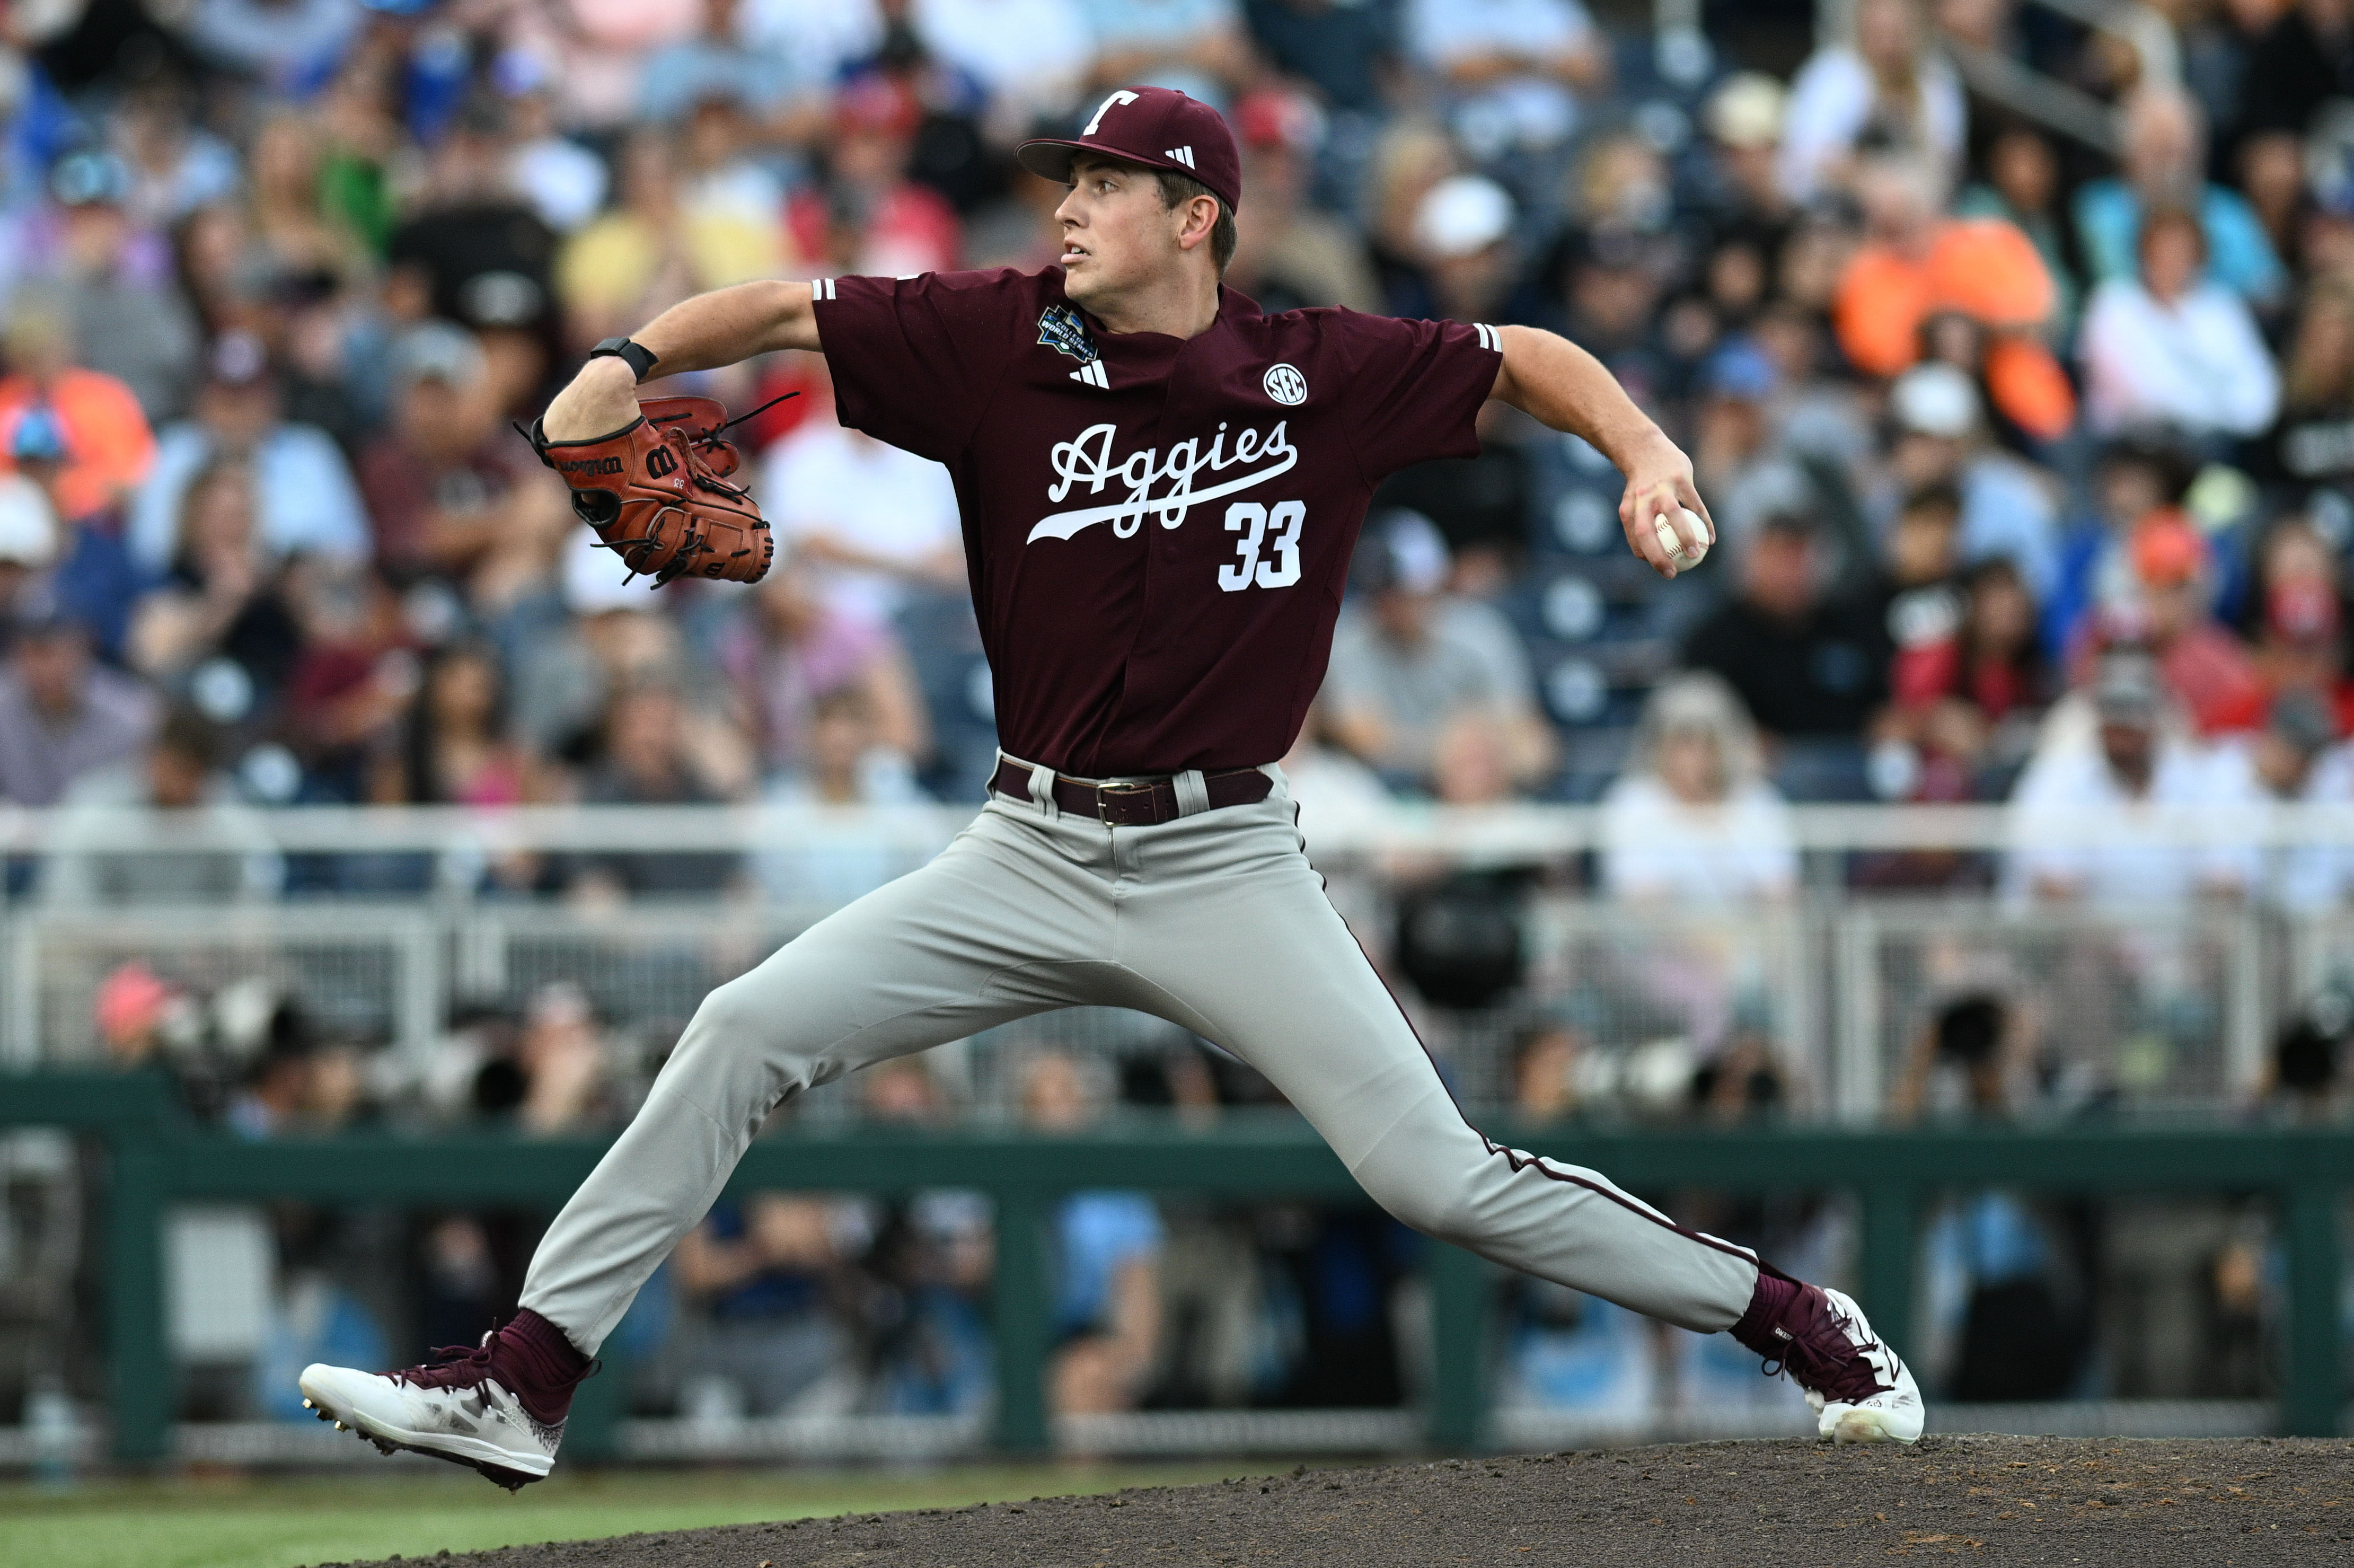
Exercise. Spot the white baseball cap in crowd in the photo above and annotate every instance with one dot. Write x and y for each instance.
(1462, 214)
(2128, 689)
(1746, 111)
(1934, 399)
(28, 526)
(595, 580)
(437, 351)
(1400, 548)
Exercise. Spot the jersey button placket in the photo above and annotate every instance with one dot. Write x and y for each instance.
(1164, 547)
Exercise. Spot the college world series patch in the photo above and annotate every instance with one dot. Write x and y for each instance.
(1060, 329)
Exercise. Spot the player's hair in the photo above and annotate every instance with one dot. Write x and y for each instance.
(1177, 189)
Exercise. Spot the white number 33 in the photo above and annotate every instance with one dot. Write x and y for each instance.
(1277, 531)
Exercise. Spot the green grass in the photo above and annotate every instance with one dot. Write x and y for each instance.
(257, 1522)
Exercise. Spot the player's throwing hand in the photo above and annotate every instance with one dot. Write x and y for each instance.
(1659, 486)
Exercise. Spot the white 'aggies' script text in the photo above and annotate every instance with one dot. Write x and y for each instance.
(1088, 460)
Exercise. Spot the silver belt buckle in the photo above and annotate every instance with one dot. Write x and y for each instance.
(1111, 798)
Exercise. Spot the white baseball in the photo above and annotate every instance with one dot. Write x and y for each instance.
(1687, 548)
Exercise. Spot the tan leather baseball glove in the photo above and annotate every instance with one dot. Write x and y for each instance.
(660, 492)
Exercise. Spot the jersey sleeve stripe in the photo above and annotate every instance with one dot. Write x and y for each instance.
(822, 288)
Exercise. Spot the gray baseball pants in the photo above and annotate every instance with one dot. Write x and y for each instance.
(1216, 922)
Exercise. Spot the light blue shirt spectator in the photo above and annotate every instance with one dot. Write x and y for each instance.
(206, 171)
(1584, 1354)
(2238, 253)
(823, 37)
(302, 484)
(1531, 109)
(842, 868)
(2165, 150)
(288, 46)
(2006, 512)
(1029, 56)
(2006, 509)
(1099, 1233)
(1172, 27)
(682, 75)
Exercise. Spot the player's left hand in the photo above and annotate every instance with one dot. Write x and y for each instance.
(1660, 481)
(659, 491)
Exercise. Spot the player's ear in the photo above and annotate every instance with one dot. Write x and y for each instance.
(1201, 222)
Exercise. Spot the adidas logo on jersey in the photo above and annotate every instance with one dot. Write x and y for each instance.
(1092, 373)
(1179, 154)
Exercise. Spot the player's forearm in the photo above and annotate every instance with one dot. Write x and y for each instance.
(701, 333)
(1558, 384)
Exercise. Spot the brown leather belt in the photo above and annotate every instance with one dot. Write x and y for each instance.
(1139, 804)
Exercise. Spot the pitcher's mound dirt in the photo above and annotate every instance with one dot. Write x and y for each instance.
(2113, 1503)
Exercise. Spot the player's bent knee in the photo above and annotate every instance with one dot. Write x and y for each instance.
(733, 1020)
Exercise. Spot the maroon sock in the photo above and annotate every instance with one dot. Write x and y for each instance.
(539, 1365)
(1774, 1291)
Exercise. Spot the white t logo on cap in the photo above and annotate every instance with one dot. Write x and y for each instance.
(1123, 96)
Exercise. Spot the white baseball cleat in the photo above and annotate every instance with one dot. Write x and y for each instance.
(453, 1409)
(1861, 1390)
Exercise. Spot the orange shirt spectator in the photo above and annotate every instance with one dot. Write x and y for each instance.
(1983, 268)
(1918, 266)
(109, 444)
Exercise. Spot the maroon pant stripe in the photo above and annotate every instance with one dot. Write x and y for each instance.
(1513, 1156)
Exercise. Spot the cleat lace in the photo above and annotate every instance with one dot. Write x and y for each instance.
(451, 1366)
(1819, 1356)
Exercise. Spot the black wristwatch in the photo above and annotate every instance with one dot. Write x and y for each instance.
(639, 360)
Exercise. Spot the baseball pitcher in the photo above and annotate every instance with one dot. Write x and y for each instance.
(1161, 489)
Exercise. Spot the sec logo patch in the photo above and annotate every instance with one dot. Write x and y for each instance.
(1285, 385)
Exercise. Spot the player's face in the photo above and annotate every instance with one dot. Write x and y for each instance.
(1115, 234)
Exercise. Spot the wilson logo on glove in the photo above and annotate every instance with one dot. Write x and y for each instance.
(659, 494)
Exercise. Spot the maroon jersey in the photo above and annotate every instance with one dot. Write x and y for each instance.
(1158, 528)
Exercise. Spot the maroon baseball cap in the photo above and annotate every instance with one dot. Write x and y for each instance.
(1158, 127)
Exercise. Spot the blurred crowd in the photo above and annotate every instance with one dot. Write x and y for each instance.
(2032, 459)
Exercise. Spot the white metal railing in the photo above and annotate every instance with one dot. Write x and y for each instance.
(1845, 980)
(1539, 830)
